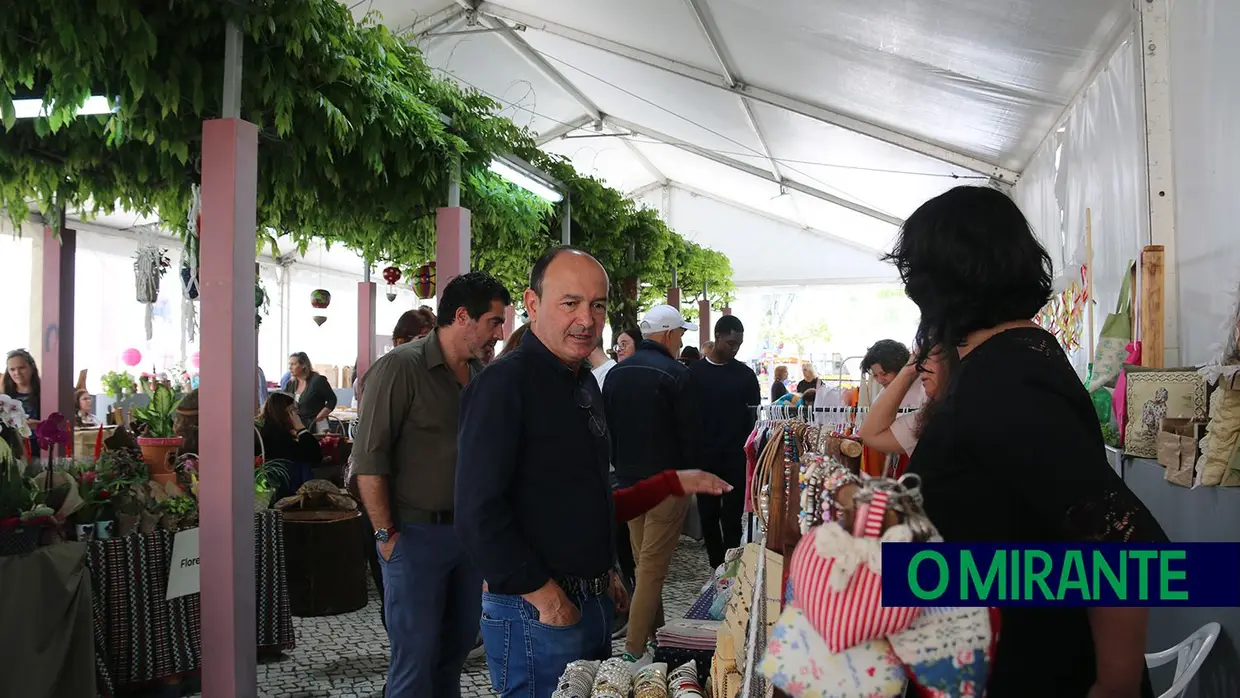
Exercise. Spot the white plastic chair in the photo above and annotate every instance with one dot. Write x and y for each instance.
(1188, 655)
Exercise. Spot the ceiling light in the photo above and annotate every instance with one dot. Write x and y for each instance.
(525, 181)
(34, 108)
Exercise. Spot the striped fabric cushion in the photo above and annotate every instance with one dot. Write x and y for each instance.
(848, 616)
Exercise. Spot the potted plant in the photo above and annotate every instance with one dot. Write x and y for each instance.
(118, 385)
(268, 475)
(158, 440)
(176, 510)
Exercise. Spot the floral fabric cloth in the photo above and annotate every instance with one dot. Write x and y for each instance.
(947, 651)
(798, 661)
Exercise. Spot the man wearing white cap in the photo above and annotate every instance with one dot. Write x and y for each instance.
(651, 414)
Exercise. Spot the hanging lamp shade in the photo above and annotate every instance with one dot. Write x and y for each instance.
(320, 298)
(391, 275)
(424, 281)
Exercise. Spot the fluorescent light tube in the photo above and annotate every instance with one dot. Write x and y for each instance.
(33, 108)
(525, 181)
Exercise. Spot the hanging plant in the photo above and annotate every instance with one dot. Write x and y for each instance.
(261, 301)
(424, 281)
(149, 268)
(391, 275)
(320, 298)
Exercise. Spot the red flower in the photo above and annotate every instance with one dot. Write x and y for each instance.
(103, 494)
(258, 462)
(89, 477)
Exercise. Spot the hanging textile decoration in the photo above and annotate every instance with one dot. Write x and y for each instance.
(424, 281)
(320, 298)
(391, 275)
(149, 268)
(189, 271)
(1064, 314)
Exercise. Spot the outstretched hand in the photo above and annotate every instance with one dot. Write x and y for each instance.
(702, 482)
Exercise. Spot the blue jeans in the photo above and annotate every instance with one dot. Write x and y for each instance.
(430, 597)
(526, 657)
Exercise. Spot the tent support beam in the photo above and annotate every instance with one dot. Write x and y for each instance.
(816, 232)
(517, 44)
(714, 39)
(435, 21)
(758, 94)
(561, 130)
(757, 172)
(647, 188)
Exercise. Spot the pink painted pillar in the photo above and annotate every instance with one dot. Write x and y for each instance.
(366, 349)
(451, 244)
(510, 321)
(703, 322)
(727, 310)
(673, 297)
(226, 490)
(56, 343)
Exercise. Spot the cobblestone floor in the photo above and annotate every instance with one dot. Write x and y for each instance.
(346, 656)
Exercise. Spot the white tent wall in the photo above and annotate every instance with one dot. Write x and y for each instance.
(1205, 53)
(1095, 161)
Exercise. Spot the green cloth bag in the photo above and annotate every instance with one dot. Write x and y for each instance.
(1110, 353)
(1101, 399)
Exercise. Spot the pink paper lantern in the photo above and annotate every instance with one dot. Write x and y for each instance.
(194, 360)
(131, 357)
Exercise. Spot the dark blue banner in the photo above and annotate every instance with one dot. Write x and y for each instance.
(1058, 574)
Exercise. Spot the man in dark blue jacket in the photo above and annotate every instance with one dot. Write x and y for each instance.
(652, 417)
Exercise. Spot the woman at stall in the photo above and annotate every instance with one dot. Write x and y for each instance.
(85, 414)
(809, 379)
(1013, 452)
(779, 386)
(888, 431)
(285, 438)
(314, 395)
(626, 343)
(21, 382)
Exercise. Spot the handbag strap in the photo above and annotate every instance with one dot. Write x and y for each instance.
(1124, 304)
(869, 523)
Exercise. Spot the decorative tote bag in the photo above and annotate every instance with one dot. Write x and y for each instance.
(1152, 395)
(947, 651)
(1116, 333)
(838, 578)
(798, 661)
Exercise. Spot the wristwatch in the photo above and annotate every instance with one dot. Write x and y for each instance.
(384, 535)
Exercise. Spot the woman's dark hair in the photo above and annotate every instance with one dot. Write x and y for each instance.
(690, 354)
(514, 340)
(303, 360)
(10, 386)
(970, 261)
(274, 412)
(634, 334)
(888, 353)
(413, 324)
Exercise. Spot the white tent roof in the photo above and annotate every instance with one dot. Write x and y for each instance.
(792, 136)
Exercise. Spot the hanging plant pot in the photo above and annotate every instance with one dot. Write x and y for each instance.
(320, 298)
(190, 281)
(424, 281)
(391, 275)
(319, 320)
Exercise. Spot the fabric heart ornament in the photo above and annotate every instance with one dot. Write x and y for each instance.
(839, 583)
(798, 661)
(947, 651)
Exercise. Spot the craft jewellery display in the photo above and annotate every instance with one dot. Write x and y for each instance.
(651, 681)
(577, 681)
(683, 682)
(613, 680)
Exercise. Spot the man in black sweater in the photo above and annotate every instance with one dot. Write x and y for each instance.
(652, 417)
(726, 390)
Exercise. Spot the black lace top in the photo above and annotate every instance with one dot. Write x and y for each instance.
(1014, 453)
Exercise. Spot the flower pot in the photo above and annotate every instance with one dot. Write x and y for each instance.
(156, 452)
(148, 522)
(104, 529)
(84, 533)
(262, 501)
(126, 524)
(169, 522)
(189, 281)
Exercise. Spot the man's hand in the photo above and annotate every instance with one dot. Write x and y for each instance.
(701, 482)
(385, 549)
(554, 606)
(619, 594)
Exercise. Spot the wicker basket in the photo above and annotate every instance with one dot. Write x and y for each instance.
(18, 541)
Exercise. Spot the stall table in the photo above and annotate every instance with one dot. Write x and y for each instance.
(140, 637)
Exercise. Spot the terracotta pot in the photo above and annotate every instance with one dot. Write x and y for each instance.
(156, 452)
(148, 522)
(169, 522)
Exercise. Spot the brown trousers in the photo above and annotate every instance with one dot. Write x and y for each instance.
(654, 536)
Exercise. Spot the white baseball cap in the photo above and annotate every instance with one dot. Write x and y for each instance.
(662, 318)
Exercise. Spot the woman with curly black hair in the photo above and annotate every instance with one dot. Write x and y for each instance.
(1013, 452)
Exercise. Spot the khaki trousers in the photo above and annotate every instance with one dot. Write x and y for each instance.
(654, 536)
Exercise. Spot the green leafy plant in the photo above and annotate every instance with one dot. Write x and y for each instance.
(180, 506)
(118, 384)
(268, 475)
(158, 417)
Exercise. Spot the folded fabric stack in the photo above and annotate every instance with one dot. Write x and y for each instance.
(689, 634)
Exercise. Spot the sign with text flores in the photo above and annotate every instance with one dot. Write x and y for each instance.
(1057, 574)
(183, 578)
